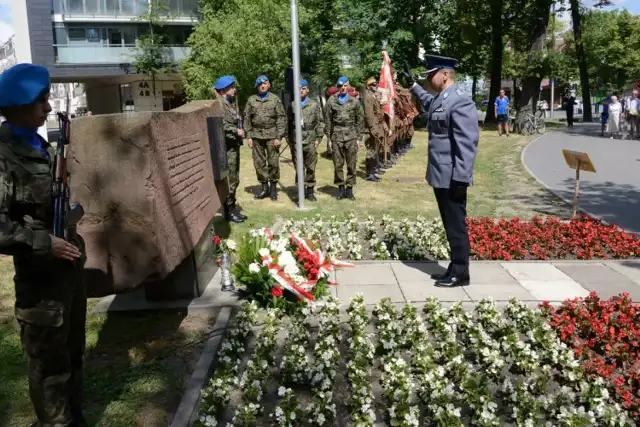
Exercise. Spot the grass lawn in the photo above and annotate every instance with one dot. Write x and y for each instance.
(138, 363)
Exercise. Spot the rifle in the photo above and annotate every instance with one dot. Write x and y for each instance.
(65, 217)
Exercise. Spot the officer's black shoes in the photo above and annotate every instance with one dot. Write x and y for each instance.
(273, 191)
(372, 177)
(341, 192)
(444, 275)
(454, 281)
(264, 193)
(230, 215)
(309, 194)
(349, 195)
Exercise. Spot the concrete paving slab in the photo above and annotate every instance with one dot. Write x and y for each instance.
(630, 268)
(420, 291)
(366, 274)
(529, 271)
(418, 271)
(544, 290)
(498, 292)
(372, 293)
(606, 281)
(490, 274)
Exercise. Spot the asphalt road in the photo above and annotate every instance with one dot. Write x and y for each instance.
(612, 193)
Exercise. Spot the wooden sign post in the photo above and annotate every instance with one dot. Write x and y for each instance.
(578, 161)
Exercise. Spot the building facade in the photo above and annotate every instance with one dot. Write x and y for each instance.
(92, 43)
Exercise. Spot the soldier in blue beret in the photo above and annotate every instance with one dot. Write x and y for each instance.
(453, 142)
(224, 91)
(51, 301)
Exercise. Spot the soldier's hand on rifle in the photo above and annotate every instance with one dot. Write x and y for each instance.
(250, 142)
(240, 133)
(276, 143)
(64, 250)
(318, 143)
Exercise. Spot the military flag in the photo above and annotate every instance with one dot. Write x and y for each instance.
(387, 87)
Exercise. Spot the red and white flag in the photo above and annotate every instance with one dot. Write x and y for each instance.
(387, 86)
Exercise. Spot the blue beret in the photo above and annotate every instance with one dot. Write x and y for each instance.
(261, 80)
(435, 62)
(304, 83)
(23, 84)
(224, 82)
(342, 80)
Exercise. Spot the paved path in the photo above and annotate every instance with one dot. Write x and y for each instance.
(532, 282)
(612, 194)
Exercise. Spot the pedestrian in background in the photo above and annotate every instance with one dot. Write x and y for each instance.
(51, 302)
(265, 126)
(634, 114)
(615, 113)
(501, 108)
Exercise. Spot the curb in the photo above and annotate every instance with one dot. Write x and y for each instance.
(188, 409)
(555, 193)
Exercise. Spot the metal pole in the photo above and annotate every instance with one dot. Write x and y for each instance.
(296, 97)
(553, 48)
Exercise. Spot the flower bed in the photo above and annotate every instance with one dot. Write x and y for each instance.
(423, 239)
(441, 367)
(605, 335)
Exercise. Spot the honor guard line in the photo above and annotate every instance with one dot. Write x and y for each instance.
(578, 161)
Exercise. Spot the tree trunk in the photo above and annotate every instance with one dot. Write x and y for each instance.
(496, 57)
(582, 60)
(474, 88)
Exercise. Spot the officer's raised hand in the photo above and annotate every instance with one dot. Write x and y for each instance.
(408, 76)
(64, 250)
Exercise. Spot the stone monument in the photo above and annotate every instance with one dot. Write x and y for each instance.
(146, 182)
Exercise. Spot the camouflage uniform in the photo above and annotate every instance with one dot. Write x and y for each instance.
(312, 131)
(233, 143)
(265, 121)
(375, 134)
(51, 302)
(344, 125)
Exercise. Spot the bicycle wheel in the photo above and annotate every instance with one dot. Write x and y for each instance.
(541, 126)
(527, 127)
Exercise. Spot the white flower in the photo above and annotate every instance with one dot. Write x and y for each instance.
(231, 245)
(281, 391)
(254, 267)
(264, 252)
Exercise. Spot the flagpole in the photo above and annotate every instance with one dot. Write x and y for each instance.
(296, 97)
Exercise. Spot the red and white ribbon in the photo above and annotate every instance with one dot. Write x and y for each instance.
(323, 265)
(288, 284)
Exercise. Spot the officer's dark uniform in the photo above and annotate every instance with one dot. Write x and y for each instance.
(50, 297)
(453, 142)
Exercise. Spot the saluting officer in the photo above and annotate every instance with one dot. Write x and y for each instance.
(225, 92)
(312, 132)
(51, 302)
(344, 125)
(265, 126)
(453, 143)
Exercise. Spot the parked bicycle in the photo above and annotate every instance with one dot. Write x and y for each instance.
(532, 123)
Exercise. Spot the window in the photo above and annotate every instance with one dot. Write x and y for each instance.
(60, 35)
(128, 7)
(77, 35)
(129, 35)
(76, 6)
(93, 6)
(93, 35)
(115, 37)
(111, 7)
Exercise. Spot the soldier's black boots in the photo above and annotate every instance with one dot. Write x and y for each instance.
(372, 177)
(264, 193)
(274, 191)
(230, 214)
(341, 192)
(349, 194)
(236, 209)
(309, 194)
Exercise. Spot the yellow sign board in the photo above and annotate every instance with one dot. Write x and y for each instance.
(576, 159)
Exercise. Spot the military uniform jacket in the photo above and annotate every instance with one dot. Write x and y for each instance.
(343, 122)
(264, 119)
(229, 120)
(453, 135)
(312, 122)
(373, 115)
(26, 203)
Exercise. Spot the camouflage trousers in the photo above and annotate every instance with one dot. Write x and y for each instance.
(309, 162)
(345, 152)
(52, 315)
(233, 160)
(266, 160)
(373, 145)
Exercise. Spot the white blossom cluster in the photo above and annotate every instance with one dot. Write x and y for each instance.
(360, 364)
(326, 357)
(216, 395)
(258, 370)
(396, 380)
(295, 366)
(288, 413)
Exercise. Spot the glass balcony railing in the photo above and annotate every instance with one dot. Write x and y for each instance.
(120, 9)
(110, 55)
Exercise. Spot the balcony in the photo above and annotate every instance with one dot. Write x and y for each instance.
(119, 10)
(110, 55)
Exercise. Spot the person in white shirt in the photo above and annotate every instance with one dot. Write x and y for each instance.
(615, 111)
(634, 114)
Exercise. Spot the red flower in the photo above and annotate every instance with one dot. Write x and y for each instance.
(216, 240)
(276, 291)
